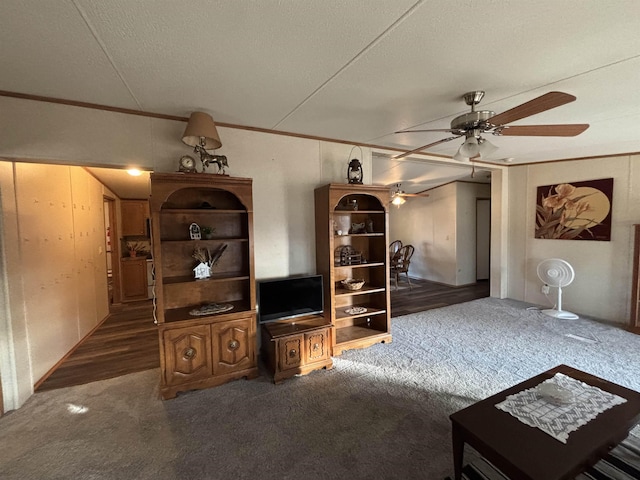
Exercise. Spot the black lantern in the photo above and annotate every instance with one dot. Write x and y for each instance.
(354, 171)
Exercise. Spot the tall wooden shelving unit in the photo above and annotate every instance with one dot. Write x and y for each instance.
(634, 324)
(201, 351)
(334, 211)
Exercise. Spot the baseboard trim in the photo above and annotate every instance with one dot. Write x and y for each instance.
(68, 354)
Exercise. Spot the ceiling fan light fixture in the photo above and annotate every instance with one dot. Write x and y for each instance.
(470, 147)
(486, 148)
(398, 200)
(459, 157)
(475, 123)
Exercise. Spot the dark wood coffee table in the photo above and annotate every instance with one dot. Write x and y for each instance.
(526, 453)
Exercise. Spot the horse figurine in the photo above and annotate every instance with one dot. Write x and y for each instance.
(207, 158)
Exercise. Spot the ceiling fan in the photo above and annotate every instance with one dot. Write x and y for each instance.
(474, 124)
(398, 195)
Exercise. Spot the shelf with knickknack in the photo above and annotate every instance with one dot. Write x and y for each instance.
(351, 248)
(205, 282)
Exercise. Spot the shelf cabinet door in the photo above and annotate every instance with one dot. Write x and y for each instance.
(316, 346)
(134, 279)
(187, 353)
(233, 346)
(290, 352)
(134, 217)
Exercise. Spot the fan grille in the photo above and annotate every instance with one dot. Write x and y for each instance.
(556, 272)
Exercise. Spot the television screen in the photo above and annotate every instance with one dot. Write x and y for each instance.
(290, 297)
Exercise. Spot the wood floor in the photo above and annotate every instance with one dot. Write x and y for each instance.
(127, 341)
(425, 295)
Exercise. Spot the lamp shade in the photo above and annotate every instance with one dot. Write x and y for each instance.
(201, 130)
(470, 147)
(486, 148)
(459, 157)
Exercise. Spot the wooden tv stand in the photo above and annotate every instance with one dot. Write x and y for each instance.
(296, 347)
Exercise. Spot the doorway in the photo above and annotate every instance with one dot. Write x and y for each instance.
(483, 238)
(112, 250)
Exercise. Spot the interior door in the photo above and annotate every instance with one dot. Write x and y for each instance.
(483, 238)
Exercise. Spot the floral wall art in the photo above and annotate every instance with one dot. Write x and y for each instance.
(575, 211)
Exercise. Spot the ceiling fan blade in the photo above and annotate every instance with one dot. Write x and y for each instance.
(537, 105)
(566, 130)
(413, 194)
(424, 147)
(428, 130)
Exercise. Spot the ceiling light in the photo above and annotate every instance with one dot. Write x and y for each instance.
(459, 157)
(134, 172)
(470, 147)
(486, 148)
(398, 200)
(474, 146)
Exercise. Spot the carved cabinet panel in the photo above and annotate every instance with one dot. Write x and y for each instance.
(316, 346)
(187, 354)
(290, 352)
(233, 346)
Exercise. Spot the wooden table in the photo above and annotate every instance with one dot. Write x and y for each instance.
(526, 453)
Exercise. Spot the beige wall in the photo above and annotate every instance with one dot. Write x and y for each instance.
(61, 263)
(15, 359)
(602, 287)
(466, 195)
(429, 224)
(441, 227)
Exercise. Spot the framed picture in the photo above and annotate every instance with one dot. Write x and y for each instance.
(575, 211)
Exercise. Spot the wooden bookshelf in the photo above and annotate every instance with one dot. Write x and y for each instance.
(202, 351)
(335, 229)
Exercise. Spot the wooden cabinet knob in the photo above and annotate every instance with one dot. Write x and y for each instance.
(316, 346)
(234, 344)
(293, 352)
(189, 353)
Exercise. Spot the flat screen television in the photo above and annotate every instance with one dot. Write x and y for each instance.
(289, 297)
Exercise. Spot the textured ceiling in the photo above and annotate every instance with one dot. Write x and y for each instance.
(355, 70)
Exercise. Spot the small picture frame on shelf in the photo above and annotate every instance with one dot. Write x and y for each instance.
(194, 232)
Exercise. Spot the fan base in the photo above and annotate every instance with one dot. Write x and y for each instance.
(560, 314)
